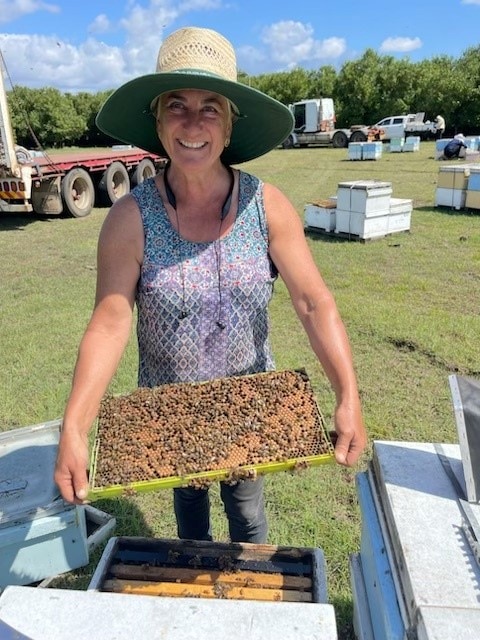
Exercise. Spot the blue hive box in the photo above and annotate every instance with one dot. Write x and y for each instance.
(40, 535)
(474, 179)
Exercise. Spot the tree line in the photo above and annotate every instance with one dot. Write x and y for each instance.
(364, 91)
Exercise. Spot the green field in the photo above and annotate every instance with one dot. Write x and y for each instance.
(410, 302)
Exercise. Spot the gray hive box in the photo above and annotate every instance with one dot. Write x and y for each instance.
(417, 574)
(40, 535)
(466, 403)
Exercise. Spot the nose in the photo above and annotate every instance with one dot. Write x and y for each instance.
(193, 118)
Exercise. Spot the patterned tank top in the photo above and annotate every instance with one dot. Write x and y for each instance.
(203, 306)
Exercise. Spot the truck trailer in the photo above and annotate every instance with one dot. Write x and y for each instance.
(73, 183)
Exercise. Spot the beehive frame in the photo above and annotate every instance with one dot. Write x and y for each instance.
(192, 434)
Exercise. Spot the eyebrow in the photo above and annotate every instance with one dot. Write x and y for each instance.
(208, 100)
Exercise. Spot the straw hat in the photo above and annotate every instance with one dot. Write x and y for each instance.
(195, 58)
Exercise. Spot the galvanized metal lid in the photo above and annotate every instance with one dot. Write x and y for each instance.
(27, 461)
(365, 184)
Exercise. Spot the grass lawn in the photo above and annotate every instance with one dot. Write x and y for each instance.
(410, 302)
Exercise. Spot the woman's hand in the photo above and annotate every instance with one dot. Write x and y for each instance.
(350, 436)
(71, 467)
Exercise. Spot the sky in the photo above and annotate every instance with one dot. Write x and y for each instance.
(96, 45)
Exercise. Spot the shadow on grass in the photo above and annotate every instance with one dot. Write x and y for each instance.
(326, 236)
(449, 211)
(344, 618)
(17, 222)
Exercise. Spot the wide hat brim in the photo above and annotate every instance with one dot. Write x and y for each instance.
(264, 123)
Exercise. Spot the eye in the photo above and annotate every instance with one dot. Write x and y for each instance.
(211, 110)
(175, 106)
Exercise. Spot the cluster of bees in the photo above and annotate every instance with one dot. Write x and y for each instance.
(190, 428)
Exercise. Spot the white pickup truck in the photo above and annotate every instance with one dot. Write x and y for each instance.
(411, 124)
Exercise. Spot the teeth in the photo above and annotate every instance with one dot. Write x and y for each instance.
(192, 145)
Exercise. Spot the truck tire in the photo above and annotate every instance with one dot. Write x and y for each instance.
(144, 169)
(358, 136)
(78, 193)
(288, 143)
(340, 140)
(113, 184)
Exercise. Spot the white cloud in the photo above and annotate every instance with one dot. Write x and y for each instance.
(330, 48)
(471, 2)
(400, 45)
(39, 61)
(12, 9)
(293, 43)
(101, 24)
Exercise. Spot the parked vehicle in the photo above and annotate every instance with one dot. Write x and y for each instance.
(315, 125)
(411, 124)
(65, 183)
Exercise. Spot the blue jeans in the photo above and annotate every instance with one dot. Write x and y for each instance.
(244, 506)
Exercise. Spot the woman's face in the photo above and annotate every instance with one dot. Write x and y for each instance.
(193, 125)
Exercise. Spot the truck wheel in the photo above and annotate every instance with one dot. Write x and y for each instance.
(288, 143)
(78, 193)
(358, 136)
(113, 184)
(340, 140)
(145, 169)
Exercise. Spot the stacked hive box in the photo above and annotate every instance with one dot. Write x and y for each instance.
(472, 199)
(452, 186)
(365, 150)
(364, 209)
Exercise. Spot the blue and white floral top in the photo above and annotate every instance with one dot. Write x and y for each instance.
(187, 289)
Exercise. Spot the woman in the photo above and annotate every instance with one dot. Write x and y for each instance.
(197, 249)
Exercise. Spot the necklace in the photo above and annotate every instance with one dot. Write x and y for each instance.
(172, 200)
(184, 313)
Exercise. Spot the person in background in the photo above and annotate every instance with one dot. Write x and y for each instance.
(454, 148)
(439, 127)
(197, 249)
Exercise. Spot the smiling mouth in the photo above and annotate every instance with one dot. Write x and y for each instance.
(192, 145)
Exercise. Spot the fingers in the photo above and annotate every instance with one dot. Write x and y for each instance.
(347, 450)
(72, 485)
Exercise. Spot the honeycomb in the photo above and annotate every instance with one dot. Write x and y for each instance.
(191, 428)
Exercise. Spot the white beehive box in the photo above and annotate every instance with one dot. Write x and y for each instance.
(400, 215)
(396, 145)
(355, 150)
(412, 143)
(40, 535)
(372, 150)
(454, 198)
(321, 215)
(352, 223)
(400, 205)
(440, 146)
(370, 197)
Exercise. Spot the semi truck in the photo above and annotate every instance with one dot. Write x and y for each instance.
(315, 125)
(73, 183)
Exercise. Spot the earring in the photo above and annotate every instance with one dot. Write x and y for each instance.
(227, 142)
